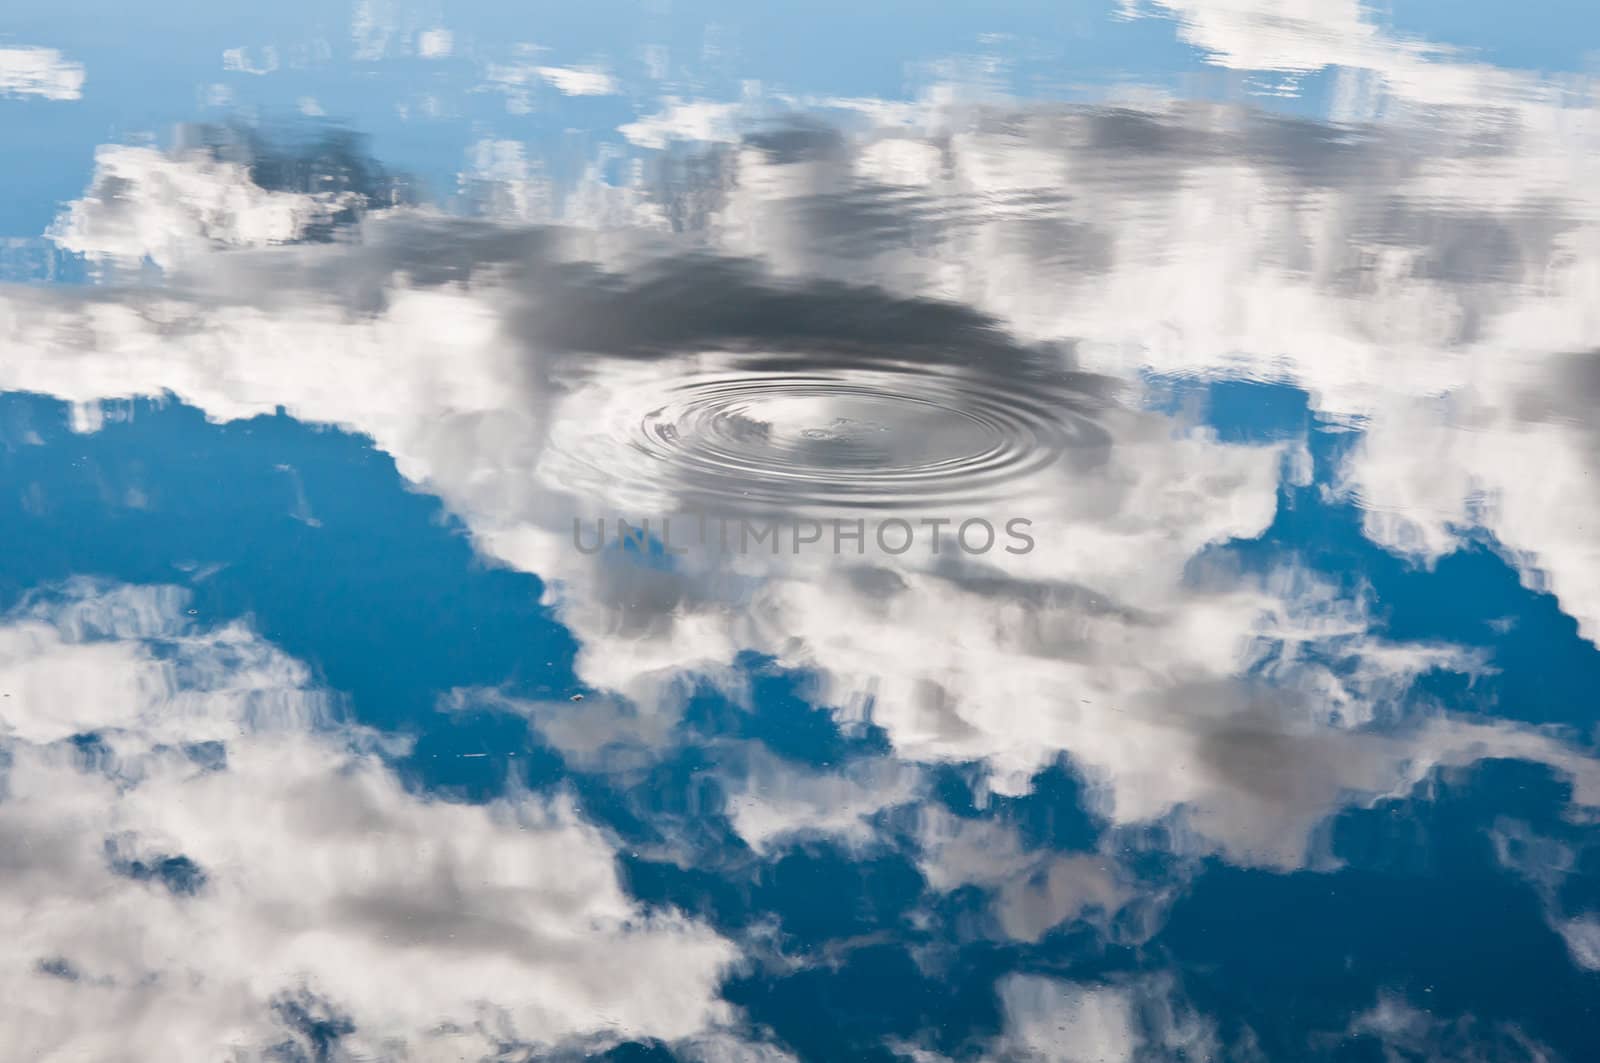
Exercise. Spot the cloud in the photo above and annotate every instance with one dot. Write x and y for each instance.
(170, 208)
(1035, 891)
(1419, 1034)
(435, 43)
(1547, 864)
(1304, 37)
(517, 77)
(42, 72)
(199, 859)
(698, 120)
(373, 27)
(239, 59)
(580, 80)
(771, 803)
(1054, 1021)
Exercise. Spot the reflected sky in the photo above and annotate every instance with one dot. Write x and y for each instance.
(1160, 614)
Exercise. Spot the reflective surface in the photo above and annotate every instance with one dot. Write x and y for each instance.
(1003, 532)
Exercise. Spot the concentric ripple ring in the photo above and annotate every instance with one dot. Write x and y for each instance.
(754, 434)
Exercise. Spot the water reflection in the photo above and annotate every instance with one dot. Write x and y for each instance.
(324, 738)
(817, 433)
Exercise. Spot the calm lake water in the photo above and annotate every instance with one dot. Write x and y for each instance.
(800, 532)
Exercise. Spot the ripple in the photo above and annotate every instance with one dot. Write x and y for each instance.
(768, 434)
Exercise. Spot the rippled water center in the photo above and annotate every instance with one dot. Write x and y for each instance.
(855, 434)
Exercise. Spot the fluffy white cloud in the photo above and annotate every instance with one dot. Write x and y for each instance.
(700, 120)
(172, 207)
(42, 72)
(225, 858)
(1303, 36)
(1035, 890)
(435, 43)
(771, 802)
(520, 75)
(580, 80)
(1053, 1021)
(238, 59)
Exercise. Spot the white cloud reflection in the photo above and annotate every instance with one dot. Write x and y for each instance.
(224, 866)
(1375, 65)
(580, 80)
(172, 207)
(42, 72)
(1049, 1020)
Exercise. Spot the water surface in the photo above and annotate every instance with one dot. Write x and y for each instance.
(1003, 532)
